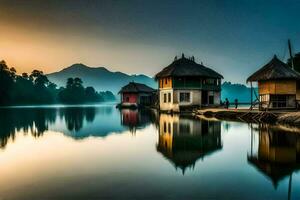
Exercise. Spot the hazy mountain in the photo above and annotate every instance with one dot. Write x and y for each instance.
(99, 77)
(234, 91)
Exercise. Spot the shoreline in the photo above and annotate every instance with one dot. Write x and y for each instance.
(284, 118)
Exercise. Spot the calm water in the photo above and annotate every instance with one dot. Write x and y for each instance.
(103, 153)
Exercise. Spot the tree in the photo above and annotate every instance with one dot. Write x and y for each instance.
(39, 78)
(6, 82)
(73, 93)
(91, 95)
(70, 83)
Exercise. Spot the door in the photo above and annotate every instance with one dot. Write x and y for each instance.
(204, 97)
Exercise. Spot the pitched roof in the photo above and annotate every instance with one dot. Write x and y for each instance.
(136, 87)
(187, 67)
(275, 69)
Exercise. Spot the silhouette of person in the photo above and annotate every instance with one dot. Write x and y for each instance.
(236, 103)
(226, 103)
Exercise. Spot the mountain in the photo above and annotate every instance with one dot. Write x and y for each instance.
(98, 77)
(234, 91)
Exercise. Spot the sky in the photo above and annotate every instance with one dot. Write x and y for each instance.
(233, 37)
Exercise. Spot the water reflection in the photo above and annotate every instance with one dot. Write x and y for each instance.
(35, 122)
(185, 140)
(137, 119)
(277, 155)
(74, 117)
(76, 122)
(119, 165)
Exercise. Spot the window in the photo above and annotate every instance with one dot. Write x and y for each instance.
(169, 127)
(127, 99)
(165, 98)
(165, 127)
(166, 81)
(280, 101)
(184, 97)
(210, 81)
(169, 97)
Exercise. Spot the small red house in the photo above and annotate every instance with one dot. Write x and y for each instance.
(136, 94)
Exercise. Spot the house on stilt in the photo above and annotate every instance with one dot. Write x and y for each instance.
(278, 86)
(186, 84)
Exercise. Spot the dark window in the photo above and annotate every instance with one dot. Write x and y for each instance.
(184, 97)
(166, 81)
(210, 81)
(169, 97)
(169, 127)
(279, 101)
(127, 99)
(165, 98)
(165, 127)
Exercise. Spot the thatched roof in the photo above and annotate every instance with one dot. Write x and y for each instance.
(274, 70)
(187, 67)
(136, 87)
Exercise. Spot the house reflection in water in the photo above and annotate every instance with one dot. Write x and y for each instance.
(136, 118)
(184, 140)
(278, 154)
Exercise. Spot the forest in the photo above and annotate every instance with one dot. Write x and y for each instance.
(35, 89)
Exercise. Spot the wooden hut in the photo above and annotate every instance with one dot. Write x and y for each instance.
(136, 95)
(185, 83)
(278, 85)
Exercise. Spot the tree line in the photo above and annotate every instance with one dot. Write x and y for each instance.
(35, 88)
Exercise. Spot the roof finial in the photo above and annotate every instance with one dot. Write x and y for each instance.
(182, 55)
(275, 56)
(175, 58)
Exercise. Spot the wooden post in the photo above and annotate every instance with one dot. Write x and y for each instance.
(291, 54)
(251, 148)
(251, 96)
(290, 187)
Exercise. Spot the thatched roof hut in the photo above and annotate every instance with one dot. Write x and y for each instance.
(274, 70)
(278, 85)
(187, 67)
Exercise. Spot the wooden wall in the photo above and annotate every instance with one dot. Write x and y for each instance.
(298, 91)
(277, 87)
(165, 82)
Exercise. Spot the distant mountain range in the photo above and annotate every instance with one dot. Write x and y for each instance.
(102, 80)
(98, 77)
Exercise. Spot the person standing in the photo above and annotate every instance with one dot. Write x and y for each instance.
(236, 103)
(226, 103)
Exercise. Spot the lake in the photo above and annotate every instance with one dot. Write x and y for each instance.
(100, 152)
